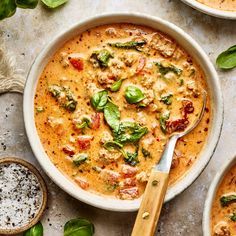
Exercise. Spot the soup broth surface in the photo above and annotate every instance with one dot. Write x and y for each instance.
(107, 102)
(225, 5)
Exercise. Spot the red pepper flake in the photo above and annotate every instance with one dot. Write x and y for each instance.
(77, 63)
(158, 139)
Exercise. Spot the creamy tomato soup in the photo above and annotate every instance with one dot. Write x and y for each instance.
(226, 5)
(107, 102)
(223, 215)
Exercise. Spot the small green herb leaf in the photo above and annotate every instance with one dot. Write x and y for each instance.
(102, 57)
(40, 109)
(99, 100)
(112, 115)
(7, 8)
(80, 158)
(27, 3)
(54, 3)
(116, 86)
(131, 158)
(165, 68)
(167, 99)
(79, 227)
(146, 153)
(111, 145)
(129, 132)
(233, 217)
(36, 230)
(133, 94)
(227, 59)
(226, 200)
(163, 120)
(129, 45)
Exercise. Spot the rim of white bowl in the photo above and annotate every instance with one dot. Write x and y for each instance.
(206, 224)
(140, 19)
(231, 15)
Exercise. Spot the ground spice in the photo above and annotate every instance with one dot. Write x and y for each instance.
(21, 196)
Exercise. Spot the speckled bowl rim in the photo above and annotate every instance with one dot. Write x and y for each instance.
(33, 169)
(231, 15)
(136, 18)
(206, 220)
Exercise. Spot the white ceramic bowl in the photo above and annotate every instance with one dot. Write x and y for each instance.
(211, 11)
(183, 39)
(206, 223)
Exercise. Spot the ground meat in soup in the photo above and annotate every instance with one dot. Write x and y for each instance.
(225, 5)
(223, 214)
(107, 102)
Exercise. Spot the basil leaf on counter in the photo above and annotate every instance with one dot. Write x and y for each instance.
(27, 3)
(133, 94)
(7, 8)
(79, 227)
(53, 3)
(99, 100)
(36, 230)
(112, 115)
(227, 59)
(116, 86)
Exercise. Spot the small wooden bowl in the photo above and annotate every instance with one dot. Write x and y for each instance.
(44, 191)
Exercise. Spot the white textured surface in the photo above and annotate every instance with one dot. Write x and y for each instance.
(29, 30)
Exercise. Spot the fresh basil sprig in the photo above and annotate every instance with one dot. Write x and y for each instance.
(79, 227)
(99, 100)
(227, 59)
(163, 120)
(36, 230)
(8, 7)
(133, 95)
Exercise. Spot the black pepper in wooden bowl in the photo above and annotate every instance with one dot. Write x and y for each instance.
(23, 195)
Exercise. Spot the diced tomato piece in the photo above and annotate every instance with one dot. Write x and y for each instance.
(176, 125)
(95, 121)
(129, 193)
(77, 63)
(129, 182)
(141, 64)
(128, 171)
(68, 150)
(84, 142)
(187, 107)
(82, 183)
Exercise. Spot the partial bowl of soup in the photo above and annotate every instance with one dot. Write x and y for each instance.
(102, 99)
(219, 216)
(218, 8)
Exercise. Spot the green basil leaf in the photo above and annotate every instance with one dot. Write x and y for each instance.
(112, 115)
(167, 99)
(102, 57)
(79, 227)
(129, 132)
(80, 158)
(163, 120)
(133, 95)
(129, 45)
(111, 145)
(131, 158)
(164, 68)
(27, 3)
(99, 100)
(36, 230)
(146, 153)
(227, 59)
(53, 3)
(7, 8)
(233, 217)
(226, 200)
(116, 86)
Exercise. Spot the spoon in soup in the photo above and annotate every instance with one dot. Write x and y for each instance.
(155, 191)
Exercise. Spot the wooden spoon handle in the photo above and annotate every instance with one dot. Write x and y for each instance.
(151, 204)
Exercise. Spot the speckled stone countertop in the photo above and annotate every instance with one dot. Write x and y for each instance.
(28, 31)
